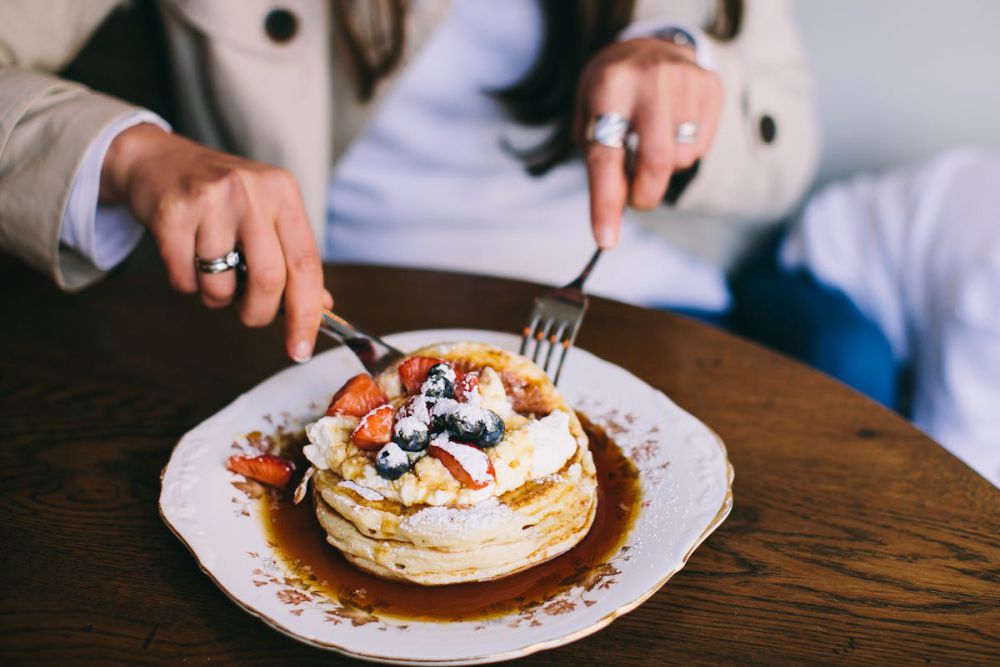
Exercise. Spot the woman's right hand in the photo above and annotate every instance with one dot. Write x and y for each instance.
(200, 202)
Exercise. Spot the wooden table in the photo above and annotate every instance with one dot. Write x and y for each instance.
(853, 538)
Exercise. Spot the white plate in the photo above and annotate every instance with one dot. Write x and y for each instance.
(686, 483)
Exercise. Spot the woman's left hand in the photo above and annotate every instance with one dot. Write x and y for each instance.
(656, 85)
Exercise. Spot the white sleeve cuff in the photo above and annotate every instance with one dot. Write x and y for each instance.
(104, 235)
(704, 53)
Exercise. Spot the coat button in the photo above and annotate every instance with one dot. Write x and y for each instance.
(768, 129)
(280, 25)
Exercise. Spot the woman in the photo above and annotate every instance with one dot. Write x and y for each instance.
(425, 111)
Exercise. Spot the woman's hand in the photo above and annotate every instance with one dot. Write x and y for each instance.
(197, 201)
(657, 85)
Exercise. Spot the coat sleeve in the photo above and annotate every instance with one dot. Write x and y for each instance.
(46, 126)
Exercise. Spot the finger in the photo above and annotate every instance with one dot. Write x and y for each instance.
(608, 192)
(265, 272)
(327, 299)
(215, 238)
(688, 110)
(655, 160)
(177, 251)
(711, 108)
(613, 91)
(304, 285)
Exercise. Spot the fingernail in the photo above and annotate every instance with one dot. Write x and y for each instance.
(302, 352)
(606, 237)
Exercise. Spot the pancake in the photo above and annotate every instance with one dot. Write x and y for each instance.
(426, 526)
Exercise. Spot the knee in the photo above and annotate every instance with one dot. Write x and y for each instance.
(820, 327)
(856, 352)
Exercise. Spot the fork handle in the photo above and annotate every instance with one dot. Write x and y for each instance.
(582, 278)
(370, 350)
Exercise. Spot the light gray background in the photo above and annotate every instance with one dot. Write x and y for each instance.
(898, 80)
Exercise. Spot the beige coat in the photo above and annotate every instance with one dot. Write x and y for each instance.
(291, 105)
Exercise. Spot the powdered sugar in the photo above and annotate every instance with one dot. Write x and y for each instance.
(408, 427)
(473, 460)
(363, 491)
(481, 516)
(473, 397)
(554, 478)
(471, 414)
(393, 455)
(363, 424)
(444, 407)
(446, 372)
(416, 407)
(468, 388)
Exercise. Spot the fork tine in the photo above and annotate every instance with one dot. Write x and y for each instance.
(555, 320)
(540, 337)
(553, 339)
(566, 344)
(529, 331)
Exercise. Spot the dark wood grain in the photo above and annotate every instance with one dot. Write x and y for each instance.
(853, 538)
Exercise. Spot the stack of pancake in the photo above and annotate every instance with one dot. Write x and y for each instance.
(445, 533)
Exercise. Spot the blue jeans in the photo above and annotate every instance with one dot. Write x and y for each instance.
(821, 327)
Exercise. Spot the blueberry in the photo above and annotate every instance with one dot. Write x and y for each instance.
(439, 384)
(391, 462)
(439, 414)
(466, 423)
(442, 370)
(411, 434)
(439, 424)
(493, 430)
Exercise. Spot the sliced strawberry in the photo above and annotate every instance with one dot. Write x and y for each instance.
(359, 396)
(413, 372)
(465, 384)
(375, 428)
(267, 469)
(466, 463)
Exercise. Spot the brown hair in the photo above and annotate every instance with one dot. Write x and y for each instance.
(574, 31)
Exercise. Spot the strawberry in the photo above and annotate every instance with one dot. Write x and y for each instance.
(466, 463)
(359, 396)
(266, 468)
(375, 428)
(413, 372)
(465, 384)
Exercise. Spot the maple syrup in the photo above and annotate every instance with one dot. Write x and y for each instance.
(301, 543)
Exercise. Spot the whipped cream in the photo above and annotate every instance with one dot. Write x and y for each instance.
(531, 449)
(327, 437)
(553, 443)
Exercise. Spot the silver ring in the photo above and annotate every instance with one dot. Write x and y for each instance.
(687, 133)
(608, 129)
(227, 262)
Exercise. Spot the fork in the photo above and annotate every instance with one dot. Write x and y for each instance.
(374, 353)
(556, 319)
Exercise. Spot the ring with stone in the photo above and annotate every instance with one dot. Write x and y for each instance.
(687, 133)
(227, 262)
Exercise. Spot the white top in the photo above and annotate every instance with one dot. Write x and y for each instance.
(429, 184)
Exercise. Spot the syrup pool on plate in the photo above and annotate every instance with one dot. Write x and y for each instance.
(301, 543)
